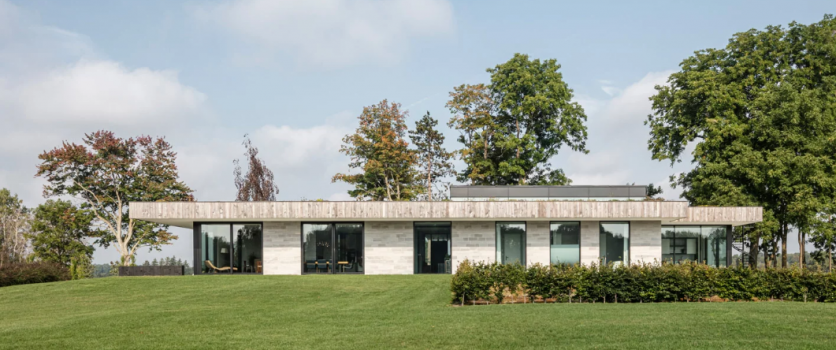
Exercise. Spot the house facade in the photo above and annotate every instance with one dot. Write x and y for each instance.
(508, 224)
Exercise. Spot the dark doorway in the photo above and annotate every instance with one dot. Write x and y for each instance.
(432, 247)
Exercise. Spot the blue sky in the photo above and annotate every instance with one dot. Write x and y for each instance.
(294, 75)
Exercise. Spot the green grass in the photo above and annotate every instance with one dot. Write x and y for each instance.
(363, 312)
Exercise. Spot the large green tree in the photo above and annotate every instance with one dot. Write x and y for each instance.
(514, 126)
(379, 150)
(432, 159)
(106, 173)
(761, 117)
(60, 231)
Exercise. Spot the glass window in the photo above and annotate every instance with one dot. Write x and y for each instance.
(565, 242)
(349, 246)
(510, 242)
(704, 244)
(247, 242)
(432, 247)
(715, 245)
(615, 242)
(332, 248)
(215, 247)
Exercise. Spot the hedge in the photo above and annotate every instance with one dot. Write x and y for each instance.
(493, 283)
(37, 272)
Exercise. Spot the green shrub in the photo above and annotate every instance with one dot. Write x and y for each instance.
(37, 272)
(687, 282)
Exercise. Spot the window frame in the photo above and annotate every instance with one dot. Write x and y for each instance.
(333, 225)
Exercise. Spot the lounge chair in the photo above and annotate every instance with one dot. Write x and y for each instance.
(219, 269)
(258, 266)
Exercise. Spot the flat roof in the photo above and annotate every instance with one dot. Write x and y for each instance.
(185, 214)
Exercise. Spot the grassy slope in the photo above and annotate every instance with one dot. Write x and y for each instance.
(349, 312)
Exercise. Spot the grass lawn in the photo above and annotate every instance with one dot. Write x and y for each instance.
(375, 312)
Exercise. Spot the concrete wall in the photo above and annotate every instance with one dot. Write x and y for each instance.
(282, 248)
(389, 248)
(645, 242)
(537, 243)
(474, 240)
(590, 238)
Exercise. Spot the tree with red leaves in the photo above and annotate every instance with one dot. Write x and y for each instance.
(257, 184)
(106, 173)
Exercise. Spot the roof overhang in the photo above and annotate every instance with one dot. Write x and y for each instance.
(185, 214)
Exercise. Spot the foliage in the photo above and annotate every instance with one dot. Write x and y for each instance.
(81, 266)
(511, 128)
(762, 115)
(432, 159)
(639, 283)
(15, 221)
(106, 173)
(34, 272)
(379, 150)
(824, 237)
(257, 184)
(59, 231)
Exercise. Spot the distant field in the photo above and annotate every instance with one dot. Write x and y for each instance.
(375, 312)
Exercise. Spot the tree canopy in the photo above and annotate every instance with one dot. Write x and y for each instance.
(512, 127)
(60, 230)
(433, 160)
(106, 173)
(760, 115)
(257, 183)
(15, 222)
(378, 149)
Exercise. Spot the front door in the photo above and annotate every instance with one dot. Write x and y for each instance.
(432, 247)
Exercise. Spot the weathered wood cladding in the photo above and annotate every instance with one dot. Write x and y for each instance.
(500, 210)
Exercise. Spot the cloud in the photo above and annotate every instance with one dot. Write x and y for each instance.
(330, 33)
(103, 92)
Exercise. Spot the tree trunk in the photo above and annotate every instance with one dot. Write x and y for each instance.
(429, 179)
(801, 248)
(518, 138)
(754, 250)
(386, 183)
(784, 234)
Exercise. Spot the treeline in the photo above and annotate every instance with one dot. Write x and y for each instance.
(486, 283)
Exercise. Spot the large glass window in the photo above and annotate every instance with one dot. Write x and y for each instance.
(615, 242)
(705, 244)
(332, 248)
(231, 248)
(565, 242)
(510, 242)
(432, 247)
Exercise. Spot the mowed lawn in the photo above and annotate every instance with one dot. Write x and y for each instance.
(375, 312)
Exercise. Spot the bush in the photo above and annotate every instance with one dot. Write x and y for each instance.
(689, 282)
(37, 272)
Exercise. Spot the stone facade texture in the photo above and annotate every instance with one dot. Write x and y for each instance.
(282, 248)
(389, 248)
(537, 243)
(645, 242)
(474, 240)
(590, 238)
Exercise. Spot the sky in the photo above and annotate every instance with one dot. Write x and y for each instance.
(294, 76)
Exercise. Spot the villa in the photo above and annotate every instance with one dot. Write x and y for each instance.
(508, 224)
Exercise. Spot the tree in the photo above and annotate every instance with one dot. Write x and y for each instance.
(433, 160)
(257, 184)
(155, 262)
(653, 191)
(15, 221)
(106, 173)
(761, 113)
(824, 237)
(379, 150)
(471, 106)
(60, 230)
(535, 117)
(146, 263)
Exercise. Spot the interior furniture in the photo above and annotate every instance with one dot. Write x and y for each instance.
(219, 269)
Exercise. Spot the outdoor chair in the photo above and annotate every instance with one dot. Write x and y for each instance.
(219, 269)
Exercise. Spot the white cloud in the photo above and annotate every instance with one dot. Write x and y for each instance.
(103, 92)
(331, 32)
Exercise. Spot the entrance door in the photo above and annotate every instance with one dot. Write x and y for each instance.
(432, 247)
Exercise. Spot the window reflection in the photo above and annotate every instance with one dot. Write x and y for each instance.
(510, 242)
(615, 242)
(704, 244)
(332, 248)
(565, 242)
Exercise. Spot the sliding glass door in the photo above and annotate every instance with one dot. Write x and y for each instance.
(231, 248)
(332, 248)
(432, 247)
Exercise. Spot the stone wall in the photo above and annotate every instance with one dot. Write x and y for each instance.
(282, 248)
(537, 243)
(590, 238)
(645, 242)
(474, 240)
(389, 248)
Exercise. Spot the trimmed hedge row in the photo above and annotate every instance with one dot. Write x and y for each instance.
(493, 282)
(37, 272)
